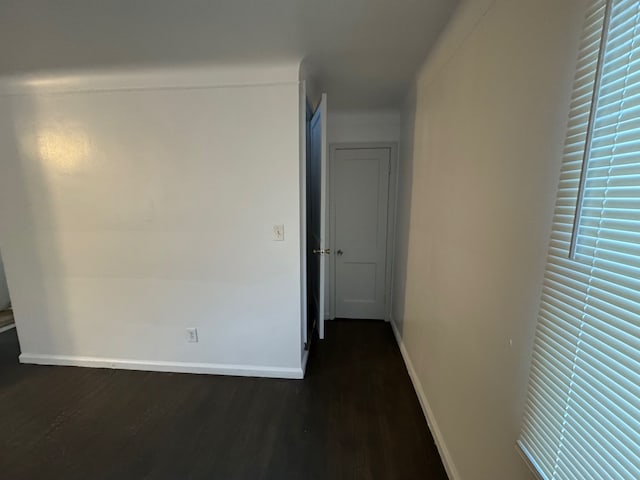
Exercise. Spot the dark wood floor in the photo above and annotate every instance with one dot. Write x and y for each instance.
(355, 416)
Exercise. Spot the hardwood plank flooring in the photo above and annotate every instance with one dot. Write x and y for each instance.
(355, 416)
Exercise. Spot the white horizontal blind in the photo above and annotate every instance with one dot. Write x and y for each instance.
(582, 419)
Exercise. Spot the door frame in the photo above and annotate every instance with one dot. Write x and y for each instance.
(303, 114)
(330, 293)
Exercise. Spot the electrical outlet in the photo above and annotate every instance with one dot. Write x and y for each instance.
(192, 335)
(278, 233)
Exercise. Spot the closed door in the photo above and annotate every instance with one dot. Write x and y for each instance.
(360, 187)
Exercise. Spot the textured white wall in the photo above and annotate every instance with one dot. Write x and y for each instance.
(482, 147)
(131, 214)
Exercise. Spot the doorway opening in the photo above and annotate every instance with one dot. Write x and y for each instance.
(350, 221)
(6, 313)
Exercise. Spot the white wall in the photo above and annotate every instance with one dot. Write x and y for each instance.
(4, 290)
(135, 206)
(482, 148)
(363, 126)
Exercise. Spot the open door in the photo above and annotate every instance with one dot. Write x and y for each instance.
(316, 207)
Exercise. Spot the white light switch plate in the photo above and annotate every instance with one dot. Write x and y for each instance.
(278, 233)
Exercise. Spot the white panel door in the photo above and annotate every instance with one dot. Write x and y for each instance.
(316, 201)
(360, 181)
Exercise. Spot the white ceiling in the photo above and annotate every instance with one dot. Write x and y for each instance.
(363, 52)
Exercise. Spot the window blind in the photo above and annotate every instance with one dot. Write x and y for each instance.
(582, 418)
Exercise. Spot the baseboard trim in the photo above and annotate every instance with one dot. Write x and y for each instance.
(445, 455)
(156, 366)
(6, 328)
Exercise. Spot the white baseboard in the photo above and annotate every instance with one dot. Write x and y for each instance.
(155, 366)
(447, 461)
(7, 327)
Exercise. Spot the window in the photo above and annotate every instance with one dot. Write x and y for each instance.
(582, 418)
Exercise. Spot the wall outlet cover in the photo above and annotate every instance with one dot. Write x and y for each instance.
(192, 335)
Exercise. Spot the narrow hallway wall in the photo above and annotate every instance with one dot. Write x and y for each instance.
(482, 149)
